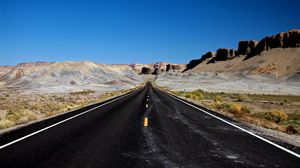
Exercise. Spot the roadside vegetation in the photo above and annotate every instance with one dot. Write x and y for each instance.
(277, 112)
(18, 107)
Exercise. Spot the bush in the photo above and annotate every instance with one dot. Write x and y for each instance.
(276, 116)
(195, 95)
(5, 123)
(218, 98)
(221, 106)
(13, 115)
(235, 108)
(20, 116)
(245, 109)
(291, 130)
(243, 98)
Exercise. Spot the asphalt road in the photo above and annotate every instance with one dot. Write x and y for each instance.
(112, 134)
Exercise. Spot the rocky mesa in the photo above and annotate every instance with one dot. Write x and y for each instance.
(276, 54)
(268, 66)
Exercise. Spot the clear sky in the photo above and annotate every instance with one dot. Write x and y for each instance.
(141, 31)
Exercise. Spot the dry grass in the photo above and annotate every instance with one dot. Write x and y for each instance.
(277, 112)
(84, 92)
(17, 108)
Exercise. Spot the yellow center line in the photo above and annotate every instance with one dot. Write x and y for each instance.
(146, 122)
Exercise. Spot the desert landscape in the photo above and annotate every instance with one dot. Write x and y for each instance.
(260, 79)
(33, 91)
(155, 83)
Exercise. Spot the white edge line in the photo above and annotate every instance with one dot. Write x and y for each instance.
(240, 128)
(53, 125)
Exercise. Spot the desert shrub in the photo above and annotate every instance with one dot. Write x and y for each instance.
(218, 98)
(245, 109)
(198, 94)
(22, 120)
(20, 116)
(221, 106)
(291, 130)
(30, 115)
(195, 95)
(5, 123)
(293, 124)
(200, 91)
(276, 116)
(235, 108)
(13, 115)
(243, 98)
(189, 95)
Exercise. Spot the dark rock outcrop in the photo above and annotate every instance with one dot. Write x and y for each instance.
(224, 54)
(146, 70)
(168, 67)
(245, 47)
(174, 67)
(192, 64)
(208, 55)
(157, 71)
(281, 40)
(195, 62)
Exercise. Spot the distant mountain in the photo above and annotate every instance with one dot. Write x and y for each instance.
(62, 75)
(43, 74)
(277, 55)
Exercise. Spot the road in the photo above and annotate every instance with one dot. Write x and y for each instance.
(112, 134)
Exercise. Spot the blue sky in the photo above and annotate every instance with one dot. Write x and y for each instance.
(141, 31)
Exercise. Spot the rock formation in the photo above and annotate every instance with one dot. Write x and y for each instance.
(174, 67)
(224, 54)
(157, 71)
(146, 70)
(245, 47)
(195, 62)
(250, 48)
(281, 40)
(160, 67)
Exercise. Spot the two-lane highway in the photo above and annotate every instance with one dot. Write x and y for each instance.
(108, 136)
(113, 135)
